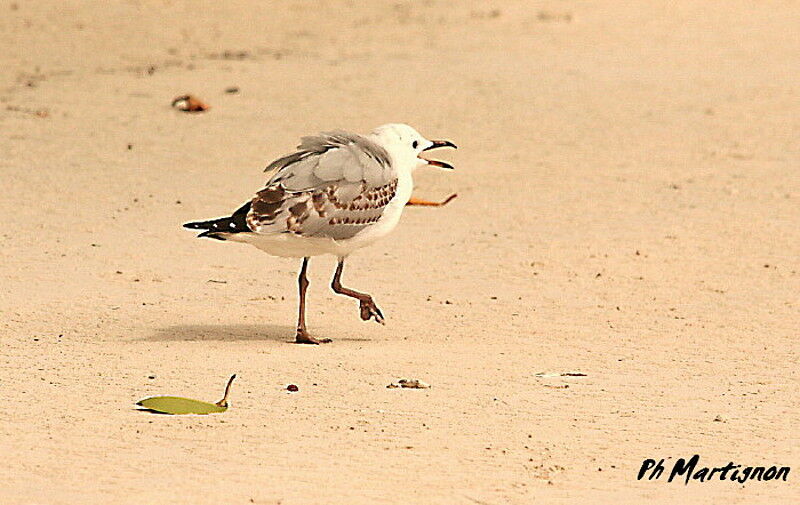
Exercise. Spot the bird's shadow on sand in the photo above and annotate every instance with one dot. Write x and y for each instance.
(233, 333)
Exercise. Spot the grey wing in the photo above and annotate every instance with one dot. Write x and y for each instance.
(332, 156)
(336, 185)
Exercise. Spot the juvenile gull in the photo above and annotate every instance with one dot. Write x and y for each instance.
(337, 193)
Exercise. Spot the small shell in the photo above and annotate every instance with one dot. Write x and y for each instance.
(189, 103)
(409, 384)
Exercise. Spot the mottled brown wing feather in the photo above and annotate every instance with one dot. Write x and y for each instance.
(334, 211)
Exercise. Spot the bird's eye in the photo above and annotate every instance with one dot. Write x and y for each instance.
(414, 144)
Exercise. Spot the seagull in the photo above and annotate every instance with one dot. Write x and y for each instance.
(337, 193)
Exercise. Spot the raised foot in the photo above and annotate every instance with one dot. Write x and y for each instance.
(370, 310)
(304, 338)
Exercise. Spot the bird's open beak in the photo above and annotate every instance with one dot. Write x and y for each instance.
(434, 145)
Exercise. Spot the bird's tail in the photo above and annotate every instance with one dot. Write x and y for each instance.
(221, 227)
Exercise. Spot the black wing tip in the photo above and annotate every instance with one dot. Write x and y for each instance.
(197, 225)
(235, 223)
(207, 226)
(211, 234)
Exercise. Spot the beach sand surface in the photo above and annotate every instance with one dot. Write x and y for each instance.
(628, 209)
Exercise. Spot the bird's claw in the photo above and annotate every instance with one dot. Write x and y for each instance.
(304, 338)
(370, 310)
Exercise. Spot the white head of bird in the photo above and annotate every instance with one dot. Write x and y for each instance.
(405, 145)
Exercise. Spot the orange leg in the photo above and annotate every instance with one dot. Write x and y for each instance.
(427, 203)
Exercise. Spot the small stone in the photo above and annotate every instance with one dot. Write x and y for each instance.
(292, 388)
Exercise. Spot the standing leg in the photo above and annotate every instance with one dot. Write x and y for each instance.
(366, 303)
(302, 334)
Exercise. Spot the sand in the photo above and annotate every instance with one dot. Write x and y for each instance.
(628, 209)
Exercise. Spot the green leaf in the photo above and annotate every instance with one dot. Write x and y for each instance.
(178, 405)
